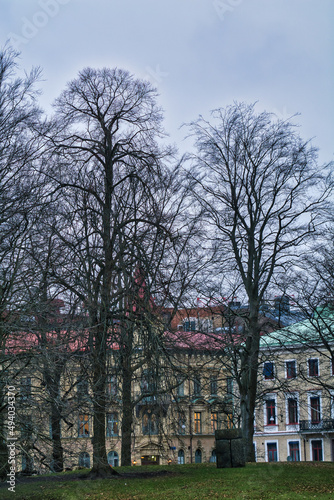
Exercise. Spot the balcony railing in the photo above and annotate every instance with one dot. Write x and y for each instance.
(323, 425)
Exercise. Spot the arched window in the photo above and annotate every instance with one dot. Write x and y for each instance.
(213, 458)
(84, 459)
(150, 423)
(198, 456)
(113, 458)
(180, 457)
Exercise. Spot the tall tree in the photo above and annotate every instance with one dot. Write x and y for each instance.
(108, 163)
(260, 186)
(19, 193)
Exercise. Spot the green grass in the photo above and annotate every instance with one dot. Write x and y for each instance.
(201, 482)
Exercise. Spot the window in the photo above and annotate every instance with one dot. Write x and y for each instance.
(294, 451)
(229, 389)
(272, 452)
(27, 427)
(197, 423)
(83, 424)
(148, 382)
(315, 409)
(180, 457)
(82, 389)
(112, 386)
(180, 388)
(292, 411)
(189, 325)
(25, 389)
(332, 365)
(213, 458)
(271, 411)
(316, 450)
(112, 424)
(84, 459)
(150, 423)
(181, 423)
(229, 421)
(313, 367)
(214, 422)
(213, 385)
(113, 458)
(291, 370)
(198, 456)
(268, 370)
(197, 387)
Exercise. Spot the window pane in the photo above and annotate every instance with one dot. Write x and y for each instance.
(315, 409)
(317, 450)
(112, 386)
(112, 424)
(197, 423)
(197, 387)
(268, 370)
(272, 452)
(214, 422)
(198, 456)
(213, 385)
(292, 411)
(25, 389)
(83, 426)
(271, 411)
(84, 460)
(294, 451)
(180, 457)
(180, 389)
(291, 371)
(181, 423)
(313, 367)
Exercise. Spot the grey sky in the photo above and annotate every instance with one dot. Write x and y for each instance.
(200, 54)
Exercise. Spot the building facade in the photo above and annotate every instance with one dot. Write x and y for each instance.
(295, 412)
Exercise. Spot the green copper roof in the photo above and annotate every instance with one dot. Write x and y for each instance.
(319, 329)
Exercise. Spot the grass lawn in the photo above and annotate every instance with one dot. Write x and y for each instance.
(201, 482)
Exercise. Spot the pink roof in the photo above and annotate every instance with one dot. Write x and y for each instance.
(199, 341)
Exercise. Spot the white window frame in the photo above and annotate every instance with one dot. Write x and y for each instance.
(331, 403)
(292, 395)
(270, 441)
(274, 370)
(322, 447)
(286, 371)
(190, 320)
(308, 367)
(314, 394)
(290, 440)
(270, 427)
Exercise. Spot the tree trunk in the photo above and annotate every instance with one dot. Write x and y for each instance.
(101, 468)
(248, 384)
(127, 418)
(57, 449)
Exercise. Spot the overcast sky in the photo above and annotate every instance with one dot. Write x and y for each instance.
(200, 54)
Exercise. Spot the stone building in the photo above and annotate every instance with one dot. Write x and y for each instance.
(295, 412)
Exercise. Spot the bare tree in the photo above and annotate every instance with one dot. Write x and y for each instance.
(109, 165)
(260, 187)
(19, 192)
